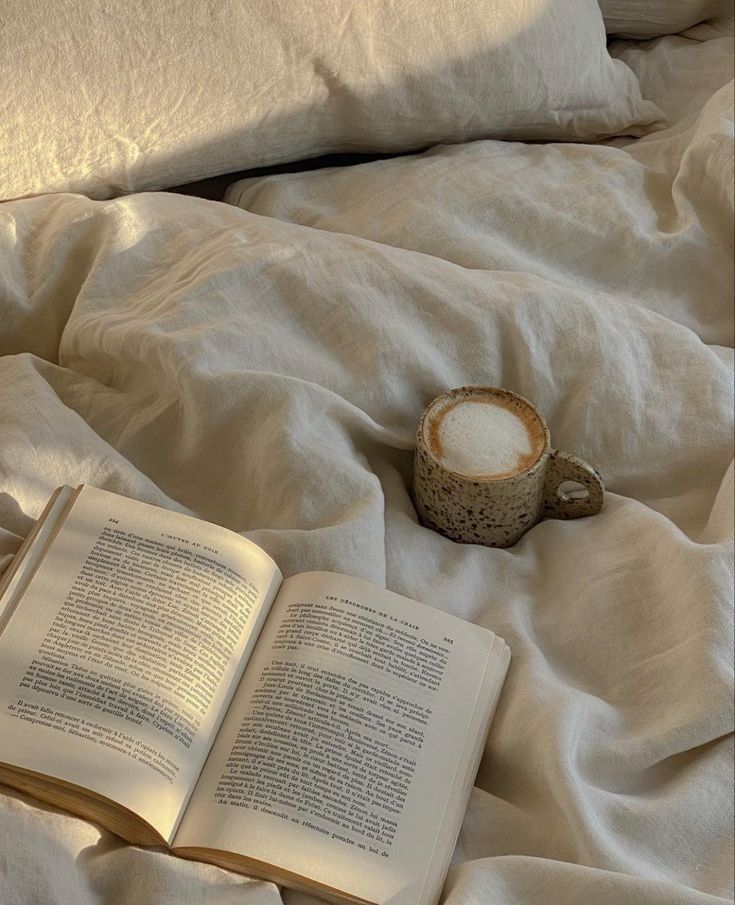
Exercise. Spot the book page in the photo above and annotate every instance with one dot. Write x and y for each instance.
(358, 725)
(121, 657)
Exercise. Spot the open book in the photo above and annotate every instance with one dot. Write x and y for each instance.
(158, 676)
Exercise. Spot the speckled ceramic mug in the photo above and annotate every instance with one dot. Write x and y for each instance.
(497, 511)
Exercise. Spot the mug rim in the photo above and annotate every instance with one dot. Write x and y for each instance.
(478, 389)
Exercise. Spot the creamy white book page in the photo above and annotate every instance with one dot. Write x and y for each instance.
(118, 663)
(349, 733)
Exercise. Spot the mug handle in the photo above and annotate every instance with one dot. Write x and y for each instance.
(558, 503)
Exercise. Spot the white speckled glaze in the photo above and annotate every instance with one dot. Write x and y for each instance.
(496, 512)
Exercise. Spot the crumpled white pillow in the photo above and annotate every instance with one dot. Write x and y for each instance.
(106, 98)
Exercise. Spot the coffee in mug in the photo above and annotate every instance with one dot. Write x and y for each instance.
(485, 471)
(484, 436)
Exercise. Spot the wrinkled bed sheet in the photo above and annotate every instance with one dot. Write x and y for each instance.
(265, 368)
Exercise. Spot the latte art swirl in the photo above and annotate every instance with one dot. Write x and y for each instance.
(484, 437)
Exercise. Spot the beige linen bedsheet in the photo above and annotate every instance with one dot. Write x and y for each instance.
(265, 369)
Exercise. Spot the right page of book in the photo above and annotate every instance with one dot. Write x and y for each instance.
(349, 751)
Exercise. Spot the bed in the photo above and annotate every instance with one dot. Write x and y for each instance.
(259, 358)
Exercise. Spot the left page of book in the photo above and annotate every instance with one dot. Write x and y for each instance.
(120, 659)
